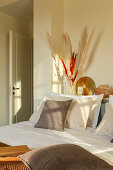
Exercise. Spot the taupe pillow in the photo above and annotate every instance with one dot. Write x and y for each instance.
(53, 115)
(63, 157)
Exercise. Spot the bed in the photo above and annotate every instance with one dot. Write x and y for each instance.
(24, 133)
(38, 138)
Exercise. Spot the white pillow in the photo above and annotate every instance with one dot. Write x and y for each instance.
(110, 98)
(106, 125)
(72, 96)
(78, 113)
(35, 116)
(94, 114)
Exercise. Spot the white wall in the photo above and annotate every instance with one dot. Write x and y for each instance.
(48, 17)
(7, 23)
(57, 30)
(42, 57)
(99, 13)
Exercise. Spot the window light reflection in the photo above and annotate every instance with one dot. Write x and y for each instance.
(56, 84)
(73, 139)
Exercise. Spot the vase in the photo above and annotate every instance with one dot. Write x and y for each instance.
(69, 88)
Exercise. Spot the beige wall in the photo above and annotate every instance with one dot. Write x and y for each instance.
(99, 13)
(7, 23)
(31, 29)
(42, 58)
(48, 17)
(58, 16)
(57, 30)
(57, 22)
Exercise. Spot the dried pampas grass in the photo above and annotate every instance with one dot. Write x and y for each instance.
(81, 56)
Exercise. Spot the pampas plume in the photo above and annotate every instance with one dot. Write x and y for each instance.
(51, 45)
(68, 46)
(85, 51)
(54, 54)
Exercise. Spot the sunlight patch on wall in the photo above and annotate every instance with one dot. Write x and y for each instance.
(57, 85)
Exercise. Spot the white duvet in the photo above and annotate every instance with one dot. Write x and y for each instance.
(25, 134)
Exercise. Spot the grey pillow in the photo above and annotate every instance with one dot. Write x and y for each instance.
(63, 157)
(53, 115)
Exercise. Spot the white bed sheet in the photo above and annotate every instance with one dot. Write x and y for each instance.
(25, 134)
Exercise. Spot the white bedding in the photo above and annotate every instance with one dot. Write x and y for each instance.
(24, 133)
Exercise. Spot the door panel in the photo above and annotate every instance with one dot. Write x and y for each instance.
(20, 78)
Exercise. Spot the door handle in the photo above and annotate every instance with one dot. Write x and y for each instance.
(15, 88)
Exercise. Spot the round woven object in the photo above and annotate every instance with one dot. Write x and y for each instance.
(87, 84)
(13, 166)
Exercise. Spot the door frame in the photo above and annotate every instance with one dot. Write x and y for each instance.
(11, 76)
(2, 4)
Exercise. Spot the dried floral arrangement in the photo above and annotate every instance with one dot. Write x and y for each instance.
(75, 60)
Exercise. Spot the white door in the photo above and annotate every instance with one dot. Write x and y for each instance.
(20, 77)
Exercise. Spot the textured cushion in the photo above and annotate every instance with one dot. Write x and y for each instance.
(63, 157)
(36, 115)
(53, 115)
(106, 125)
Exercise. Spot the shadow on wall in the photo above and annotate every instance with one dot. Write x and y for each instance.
(92, 54)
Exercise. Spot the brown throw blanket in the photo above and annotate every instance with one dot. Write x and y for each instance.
(63, 157)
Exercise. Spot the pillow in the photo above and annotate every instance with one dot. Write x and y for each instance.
(78, 113)
(106, 125)
(63, 157)
(35, 116)
(93, 119)
(71, 96)
(110, 98)
(53, 115)
(95, 110)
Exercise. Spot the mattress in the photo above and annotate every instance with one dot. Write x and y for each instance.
(24, 133)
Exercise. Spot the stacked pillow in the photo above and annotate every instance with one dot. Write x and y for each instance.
(89, 104)
(83, 111)
(106, 125)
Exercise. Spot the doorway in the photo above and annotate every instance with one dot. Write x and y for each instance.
(18, 24)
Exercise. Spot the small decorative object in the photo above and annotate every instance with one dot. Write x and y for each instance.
(85, 86)
(72, 62)
(104, 89)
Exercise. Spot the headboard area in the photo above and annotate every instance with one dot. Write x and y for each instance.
(102, 109)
